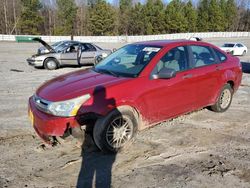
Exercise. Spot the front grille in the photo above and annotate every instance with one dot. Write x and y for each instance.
(41, 104)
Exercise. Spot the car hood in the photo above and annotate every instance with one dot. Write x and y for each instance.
(48, 47)
(75, 84)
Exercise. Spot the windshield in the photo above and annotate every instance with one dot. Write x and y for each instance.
(128, 61)
(57, 43)
(228, 45)
(62, 47)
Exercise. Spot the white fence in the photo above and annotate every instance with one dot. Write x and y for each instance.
(120, 39)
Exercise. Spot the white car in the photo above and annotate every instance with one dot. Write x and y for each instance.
(235, 48)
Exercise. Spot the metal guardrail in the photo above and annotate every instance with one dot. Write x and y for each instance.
(123, 39)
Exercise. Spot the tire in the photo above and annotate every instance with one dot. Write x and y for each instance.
(98, 59)
(50, 64)
(224, 100)
(118, 124)
(244, 53)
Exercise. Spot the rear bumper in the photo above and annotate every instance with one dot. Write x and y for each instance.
(47, 125)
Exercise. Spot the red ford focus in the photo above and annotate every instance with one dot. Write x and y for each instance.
(136, 87)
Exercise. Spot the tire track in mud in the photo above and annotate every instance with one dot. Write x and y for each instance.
(16, 138)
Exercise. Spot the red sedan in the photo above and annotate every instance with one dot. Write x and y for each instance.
(137, 86)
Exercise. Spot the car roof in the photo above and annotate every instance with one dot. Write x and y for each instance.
(164, 43)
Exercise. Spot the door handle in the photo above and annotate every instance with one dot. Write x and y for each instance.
(218, 67)
(187, 76)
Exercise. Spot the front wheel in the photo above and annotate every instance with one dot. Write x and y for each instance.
(244, 53)
(50, 64)
(113, 132)
(224, 100)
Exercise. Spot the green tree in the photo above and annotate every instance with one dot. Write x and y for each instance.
(30, 20)
(66, 14)
(215, 16)
(203, 15)
(124, 14)
(102, 19)
(137, 20)
(231, 15)
(176, 21)
(154, 17)
(223, 6)
(191, 16)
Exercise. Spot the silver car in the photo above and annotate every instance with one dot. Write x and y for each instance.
(73, 53)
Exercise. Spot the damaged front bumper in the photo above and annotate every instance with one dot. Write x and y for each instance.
(48, 126)
(34, 62)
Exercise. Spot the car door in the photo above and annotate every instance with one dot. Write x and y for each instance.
(69, 55)
(239, 49)
(206, 71)
(166, 98)
(236, 49)
(88, 53)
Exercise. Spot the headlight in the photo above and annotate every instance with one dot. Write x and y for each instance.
(104, 55)
(67, 108)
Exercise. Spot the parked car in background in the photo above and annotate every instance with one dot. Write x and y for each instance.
(235, 48)
(137, 86)
(195, 38)
(68, 53)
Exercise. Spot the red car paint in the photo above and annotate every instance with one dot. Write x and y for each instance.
(154, 99)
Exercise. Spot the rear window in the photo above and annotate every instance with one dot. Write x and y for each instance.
(220, 56)
(239, 45)
(228, 45)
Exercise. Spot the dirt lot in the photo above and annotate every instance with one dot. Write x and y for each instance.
(201, 149)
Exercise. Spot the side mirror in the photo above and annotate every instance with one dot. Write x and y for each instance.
(165, 73)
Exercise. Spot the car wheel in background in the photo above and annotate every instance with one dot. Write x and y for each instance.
(244, 53)
(224, 100)
(50, 64)
(114, 131)
(98, 59)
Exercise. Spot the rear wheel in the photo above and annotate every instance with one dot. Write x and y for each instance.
(113, 132)
(244, 53)
(50, 64)
(224, 100)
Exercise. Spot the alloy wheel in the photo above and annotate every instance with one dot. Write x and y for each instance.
(119, 131)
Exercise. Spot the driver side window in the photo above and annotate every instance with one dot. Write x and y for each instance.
(175, 59)
(72, 49)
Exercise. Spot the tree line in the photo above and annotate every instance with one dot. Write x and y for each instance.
(125, 17)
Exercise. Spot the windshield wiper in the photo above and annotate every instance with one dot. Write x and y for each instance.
(106, 71)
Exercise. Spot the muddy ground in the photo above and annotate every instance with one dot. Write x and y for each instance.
(201, 149)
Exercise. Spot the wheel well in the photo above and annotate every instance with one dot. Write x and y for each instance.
(141, 123)
(231, 83)
(131, 108)
(51, 58)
